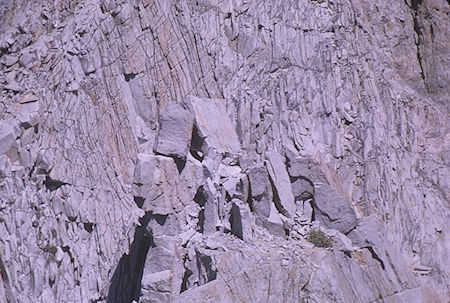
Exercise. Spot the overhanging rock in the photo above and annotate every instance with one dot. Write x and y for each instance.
(219, 135)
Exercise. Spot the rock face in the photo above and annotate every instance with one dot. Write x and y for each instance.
(224, 151)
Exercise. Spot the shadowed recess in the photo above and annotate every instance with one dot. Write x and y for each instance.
(126, 281)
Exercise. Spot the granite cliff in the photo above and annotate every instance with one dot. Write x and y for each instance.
(224, 151)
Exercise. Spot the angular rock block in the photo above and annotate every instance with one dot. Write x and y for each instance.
(261, 190)
(241, 221)
(332, 209)
(307, 168)
(280, 178)
(158, 182)
(28, 114)
(220, 134)
(8, 144)
(367, 232)
(302, 189)
(175, 131)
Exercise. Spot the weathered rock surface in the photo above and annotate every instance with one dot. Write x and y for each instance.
(175, 131)
(187, 151)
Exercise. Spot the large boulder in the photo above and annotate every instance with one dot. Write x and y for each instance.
(280, 178)
(8, 144)
(332, 209)
(175, 131)
(221, 134)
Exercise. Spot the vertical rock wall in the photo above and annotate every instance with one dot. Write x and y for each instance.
(224, 151)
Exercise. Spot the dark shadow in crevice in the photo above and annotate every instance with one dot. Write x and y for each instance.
(196, 144)
(250, 198)
(205, 263)
(51, 184)
(126, 281)
(236, 222)
(181, 163)
(139, 201)
(375, 256)
(88, 226)
(276, 198)
(129, 77)
(200, 198)
(415, 4)
(187, 273)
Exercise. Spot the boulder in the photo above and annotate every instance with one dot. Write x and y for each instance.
(175, 131)
(261, 191)
(8, 144)
(280, 178)
(332, 209)
(367, 232)
(163, 189)
(302, 189)
(220, 135)
(306, 168)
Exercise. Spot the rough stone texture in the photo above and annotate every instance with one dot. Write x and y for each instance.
(281, 183)
(333, 210)
(175, 131)
(220, 134)
(106, 197)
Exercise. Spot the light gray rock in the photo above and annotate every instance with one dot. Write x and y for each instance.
(164, 190)
(333, 210)
(221, 134)
(175, 131)
(280, 178)
(302, 189)
(28, 113)
(261, 191)
(8, 144)
(273, 224)
(306, 168)
(355, 94)
(367, 232)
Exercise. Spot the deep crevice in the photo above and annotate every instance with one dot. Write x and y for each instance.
(181, 163)
(415, 4)
(129, 77)
(201, 221)
(126, 281)
(375, 256)
(88, 226)
(236, 221)
(196, 144)
(207, 263)
(276, 198)
(200, 198)
(53, 185)
(139, 201)
(187, 273)
(250, 198)
(415, 7)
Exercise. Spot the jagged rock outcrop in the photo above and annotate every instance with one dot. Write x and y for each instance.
(234, 151)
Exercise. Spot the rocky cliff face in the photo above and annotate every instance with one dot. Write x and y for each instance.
(224, 151)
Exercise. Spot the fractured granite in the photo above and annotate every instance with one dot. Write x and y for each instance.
(189, 151)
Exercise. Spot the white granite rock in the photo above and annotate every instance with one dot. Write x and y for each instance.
(354, 94)
(280, 178)
(332, 209)
(175, 131)
(221, 134)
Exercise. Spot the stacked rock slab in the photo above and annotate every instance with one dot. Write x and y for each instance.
(241, 151)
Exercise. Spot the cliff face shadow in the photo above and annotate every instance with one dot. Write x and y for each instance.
(126, 281)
